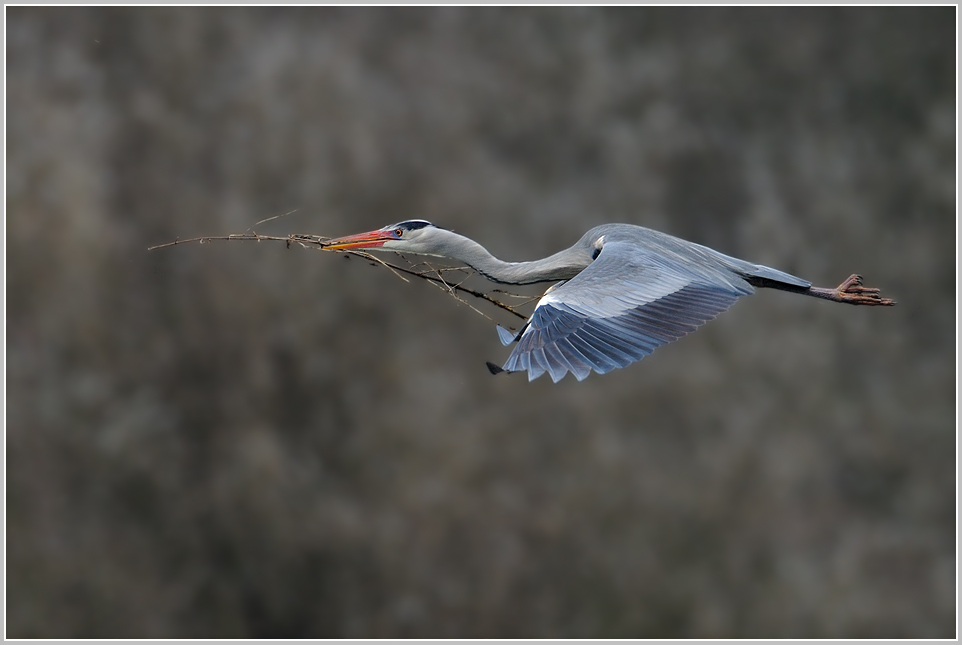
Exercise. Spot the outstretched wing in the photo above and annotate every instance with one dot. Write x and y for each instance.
(626, 303)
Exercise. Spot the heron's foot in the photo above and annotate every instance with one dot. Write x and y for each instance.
(852, 292)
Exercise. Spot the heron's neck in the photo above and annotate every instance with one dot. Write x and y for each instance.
(560, 266)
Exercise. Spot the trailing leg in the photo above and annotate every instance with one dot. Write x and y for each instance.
(852, 292)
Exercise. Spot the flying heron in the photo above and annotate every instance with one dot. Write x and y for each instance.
(624, 291)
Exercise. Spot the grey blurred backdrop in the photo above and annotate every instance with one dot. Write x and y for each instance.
(240, 440)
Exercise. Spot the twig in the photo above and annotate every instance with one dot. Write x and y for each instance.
(249, 237)
(318, 242)
(272, 218)
(430, 278)
(453, 289)
(368, 256)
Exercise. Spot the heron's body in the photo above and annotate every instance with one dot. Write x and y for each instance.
(627, 290)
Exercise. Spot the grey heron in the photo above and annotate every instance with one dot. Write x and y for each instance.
(624, 291)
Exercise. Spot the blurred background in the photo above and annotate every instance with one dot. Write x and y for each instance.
(240, 440)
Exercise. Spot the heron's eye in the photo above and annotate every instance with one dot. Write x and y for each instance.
(398, 232)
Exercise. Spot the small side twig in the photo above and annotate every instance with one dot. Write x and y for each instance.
(441, 282)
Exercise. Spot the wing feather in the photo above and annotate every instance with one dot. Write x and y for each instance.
(624, 305)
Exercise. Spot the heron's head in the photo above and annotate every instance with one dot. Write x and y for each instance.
(413, 236)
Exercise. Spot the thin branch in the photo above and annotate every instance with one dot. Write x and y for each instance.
(453, 289)
(318, 242)
(370, 257)
(249, 237)
(430, 278)
(272, 218)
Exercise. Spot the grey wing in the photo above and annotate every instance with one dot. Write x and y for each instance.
(626, 303)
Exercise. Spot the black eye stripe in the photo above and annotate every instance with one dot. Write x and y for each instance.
(413, 225)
